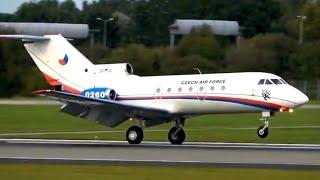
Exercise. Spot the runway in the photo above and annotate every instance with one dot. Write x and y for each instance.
(161, 153)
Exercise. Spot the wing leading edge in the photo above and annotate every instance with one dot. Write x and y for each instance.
(107, 112)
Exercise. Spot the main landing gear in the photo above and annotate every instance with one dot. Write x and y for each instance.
(176, 135)
(134, 134)
(263, 131)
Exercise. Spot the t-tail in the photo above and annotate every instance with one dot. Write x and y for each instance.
(63, 66)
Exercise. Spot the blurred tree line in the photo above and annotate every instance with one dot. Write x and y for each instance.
(269, 28)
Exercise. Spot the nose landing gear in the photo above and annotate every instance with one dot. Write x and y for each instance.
(263, 131)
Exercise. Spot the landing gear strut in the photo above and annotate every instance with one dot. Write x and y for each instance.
(134, 134)
(263, 131)
(176, 134)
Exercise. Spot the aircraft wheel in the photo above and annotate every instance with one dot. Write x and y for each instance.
(262, 133)
(134, 135)
(176, 136)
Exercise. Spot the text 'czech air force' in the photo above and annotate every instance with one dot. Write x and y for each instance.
(204, 82)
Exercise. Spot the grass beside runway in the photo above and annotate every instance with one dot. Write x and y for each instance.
(215, 128)
(314, 102)
(57, 171)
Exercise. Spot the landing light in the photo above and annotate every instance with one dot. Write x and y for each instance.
(290, 110)
(281, 110)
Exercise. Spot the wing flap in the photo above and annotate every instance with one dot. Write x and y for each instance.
(97, 114)
(74, 109)
(101, 110)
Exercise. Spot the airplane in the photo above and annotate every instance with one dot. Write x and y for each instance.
(111, 94)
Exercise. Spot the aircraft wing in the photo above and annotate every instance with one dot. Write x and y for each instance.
(107, 112)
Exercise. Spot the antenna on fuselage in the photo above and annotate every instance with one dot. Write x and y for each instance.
(198, 70)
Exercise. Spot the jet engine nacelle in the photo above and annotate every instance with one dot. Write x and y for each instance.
(100, 93)
(118, 69)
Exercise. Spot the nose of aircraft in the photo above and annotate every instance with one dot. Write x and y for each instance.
(300, 98)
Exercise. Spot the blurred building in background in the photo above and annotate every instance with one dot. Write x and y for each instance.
(216, 27)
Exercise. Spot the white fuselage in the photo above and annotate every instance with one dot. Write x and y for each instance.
(204, 94)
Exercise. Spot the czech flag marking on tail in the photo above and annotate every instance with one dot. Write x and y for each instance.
(64, 61)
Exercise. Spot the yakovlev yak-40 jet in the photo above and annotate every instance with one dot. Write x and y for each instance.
(111, 94)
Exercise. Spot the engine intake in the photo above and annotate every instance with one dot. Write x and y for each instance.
(112, 94)
(100, 93)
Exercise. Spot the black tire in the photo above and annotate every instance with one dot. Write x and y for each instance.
(178, 138)
(134, 135)
(264, 133)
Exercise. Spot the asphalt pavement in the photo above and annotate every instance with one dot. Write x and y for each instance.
(161, 153)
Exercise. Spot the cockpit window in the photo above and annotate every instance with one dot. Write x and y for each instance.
(276, 81)
(268, 82)
(261, 82)
(271, 81)
(284, 82)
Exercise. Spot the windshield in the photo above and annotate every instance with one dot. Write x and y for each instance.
(271, 82)
(276, 81)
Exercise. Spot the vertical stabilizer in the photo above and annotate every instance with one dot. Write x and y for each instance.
(61, 63)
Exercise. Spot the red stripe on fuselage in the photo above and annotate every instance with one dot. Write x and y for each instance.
(54, 82)
(70, 89)
(51, 81)
(212, 98)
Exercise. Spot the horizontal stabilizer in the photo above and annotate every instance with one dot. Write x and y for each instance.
(25, 37)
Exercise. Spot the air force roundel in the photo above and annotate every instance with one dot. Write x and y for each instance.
(64, 61)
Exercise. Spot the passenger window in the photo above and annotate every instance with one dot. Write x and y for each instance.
(212, 88)
(223, 88)
(261, 82)
(169, 90)
(201, 89)
(158, 90)
(268, 81)
(180, 89)
(276, 81)
(190, 89)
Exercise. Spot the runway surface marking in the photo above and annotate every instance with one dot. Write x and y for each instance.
(159, 143)
(163, 153)
(149, 130)
(158, 162)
